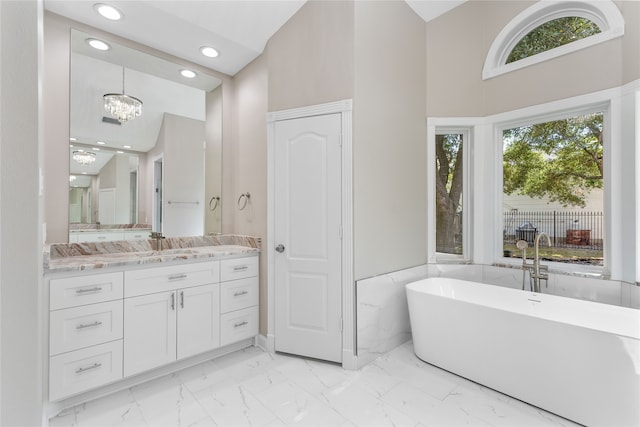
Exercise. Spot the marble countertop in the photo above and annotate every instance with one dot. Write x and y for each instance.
(108, 230)
(123, 259)
(68, 257)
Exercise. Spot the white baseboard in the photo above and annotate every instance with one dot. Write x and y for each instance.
(266, 342)
(349, 360)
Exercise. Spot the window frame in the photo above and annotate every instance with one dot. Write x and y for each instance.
(440, 127)
(621, 108)
(605, 14)
(500, 126)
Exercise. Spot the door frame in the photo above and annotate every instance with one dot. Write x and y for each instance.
(158, 160)
(344, 108)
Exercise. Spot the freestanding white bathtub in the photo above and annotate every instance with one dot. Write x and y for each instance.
(577, 359)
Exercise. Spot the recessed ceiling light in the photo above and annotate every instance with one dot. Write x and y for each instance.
(96, 148)
(98, 44)
(120, 152)
(209, 51)
(108, 11)
(72, 139)
(188, 73)
(101, 143)
(126, 146)
(84, 173)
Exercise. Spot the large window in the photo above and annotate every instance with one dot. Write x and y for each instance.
(553, 176)
(589, 208)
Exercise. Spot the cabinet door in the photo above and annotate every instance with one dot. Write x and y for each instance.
(198, 320)
(149, 331)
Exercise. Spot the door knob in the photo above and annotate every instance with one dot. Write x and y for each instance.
(280, 248)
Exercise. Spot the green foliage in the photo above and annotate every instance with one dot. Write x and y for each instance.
(552, 34)
(560, 159)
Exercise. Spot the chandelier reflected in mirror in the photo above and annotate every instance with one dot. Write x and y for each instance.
(85, 158)
(122, 107)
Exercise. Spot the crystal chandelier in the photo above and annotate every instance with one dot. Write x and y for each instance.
(122, 107)
(84, 157)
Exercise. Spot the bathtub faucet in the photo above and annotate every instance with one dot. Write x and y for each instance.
(539, 271)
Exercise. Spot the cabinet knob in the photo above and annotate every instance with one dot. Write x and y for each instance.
(280, 248)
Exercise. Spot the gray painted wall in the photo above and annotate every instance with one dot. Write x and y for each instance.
(21, 313)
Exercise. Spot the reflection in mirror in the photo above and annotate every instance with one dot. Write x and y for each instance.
(113, 189)
(109, 183)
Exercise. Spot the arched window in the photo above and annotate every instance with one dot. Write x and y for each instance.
(549, 29)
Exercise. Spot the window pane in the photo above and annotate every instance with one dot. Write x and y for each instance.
(552, 34)
(553, 183)
(449, 183)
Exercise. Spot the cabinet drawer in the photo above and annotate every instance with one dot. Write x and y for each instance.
(136, 235)
(97, 236)
(80, 290)
(238, 294)
(238, 268)
(238, 325)
(81, 370)
(84, 326)
(161, 279)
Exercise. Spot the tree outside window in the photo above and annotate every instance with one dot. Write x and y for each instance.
(557, 161)
(449, 187)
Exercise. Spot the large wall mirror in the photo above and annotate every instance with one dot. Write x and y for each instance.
(158, 171)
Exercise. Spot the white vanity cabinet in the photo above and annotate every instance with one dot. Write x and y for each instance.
(170, 313)
(85, 333)
(107, 327)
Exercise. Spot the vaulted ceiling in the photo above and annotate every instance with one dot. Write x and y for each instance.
(238, 29)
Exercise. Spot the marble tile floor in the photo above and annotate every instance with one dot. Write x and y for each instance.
(254, 388)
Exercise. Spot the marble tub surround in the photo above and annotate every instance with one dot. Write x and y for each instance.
(382, 313)
(93, 255)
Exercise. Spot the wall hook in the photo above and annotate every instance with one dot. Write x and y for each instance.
(243, 200)
(215, 205)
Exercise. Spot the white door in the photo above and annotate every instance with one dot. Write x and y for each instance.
(198, 320)
(149, 331)
(308, 270)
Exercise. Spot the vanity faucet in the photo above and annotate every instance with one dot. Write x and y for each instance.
(157, 235)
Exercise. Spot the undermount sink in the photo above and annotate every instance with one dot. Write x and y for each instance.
(165, 252)
(181, 251)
